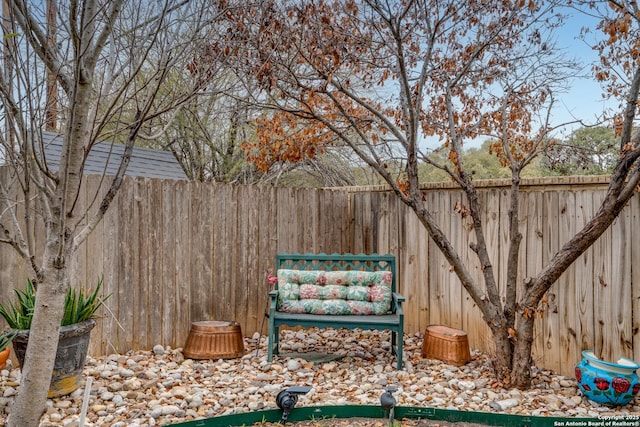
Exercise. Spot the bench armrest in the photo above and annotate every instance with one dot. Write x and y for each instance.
(273, 299)
(396, 303)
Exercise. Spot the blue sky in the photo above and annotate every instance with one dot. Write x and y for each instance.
(584, 100)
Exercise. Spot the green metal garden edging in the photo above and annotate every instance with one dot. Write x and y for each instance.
(306, 413)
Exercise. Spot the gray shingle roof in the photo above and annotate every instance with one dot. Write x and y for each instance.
(144, 162)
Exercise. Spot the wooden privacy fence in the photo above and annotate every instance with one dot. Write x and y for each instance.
(176, 252)
(594, 305)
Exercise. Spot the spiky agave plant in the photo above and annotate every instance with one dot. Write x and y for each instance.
(6, 337)
(19, 315)
(78, 306)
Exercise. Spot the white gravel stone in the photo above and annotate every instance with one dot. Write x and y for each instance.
(466, 385)
(107, 395)
(293, 365)
(503, 405)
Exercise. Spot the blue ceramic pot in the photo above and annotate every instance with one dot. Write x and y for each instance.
(612, 384)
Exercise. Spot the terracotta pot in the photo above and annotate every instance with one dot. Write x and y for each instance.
(4, 356)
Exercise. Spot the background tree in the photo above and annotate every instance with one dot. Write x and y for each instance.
(587, 151)
(110, 61)
(480, 163)
(382, 77)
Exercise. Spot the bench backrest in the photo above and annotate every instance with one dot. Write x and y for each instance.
(335, 284)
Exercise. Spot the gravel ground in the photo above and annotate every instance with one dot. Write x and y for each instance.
(161, 387)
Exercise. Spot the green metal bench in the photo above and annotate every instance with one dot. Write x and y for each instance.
(312, 265)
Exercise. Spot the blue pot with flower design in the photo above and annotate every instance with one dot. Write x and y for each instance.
(607, 383)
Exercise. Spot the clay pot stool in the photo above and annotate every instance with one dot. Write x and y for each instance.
(447, 344)
(214, 339)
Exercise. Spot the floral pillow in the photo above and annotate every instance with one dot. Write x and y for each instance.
(334, 292)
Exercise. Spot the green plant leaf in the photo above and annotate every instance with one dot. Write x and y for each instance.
(7, 337)
(78, 306)
(19, 315)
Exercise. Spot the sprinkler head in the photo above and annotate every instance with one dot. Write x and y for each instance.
(287, 399)
(388, 402)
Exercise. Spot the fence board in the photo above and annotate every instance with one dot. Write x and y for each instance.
(583, 276)
(201, 232)
(94, 256)
(533, 246)
(412, 291)
(437, 263)
(252, 265)
(456, 233)
(482, 338)
(634, 237)
(140, 280)
(184, 276)
(285, 232)
(621, 288)
(126, 258)
(551, 322)
(566, 286)
(169, 277)
(604, 313)
(242, 242)
(156, 290)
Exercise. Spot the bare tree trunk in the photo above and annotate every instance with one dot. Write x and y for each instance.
(92, 26)
(49, 309)
(522, 362)
(41, 350)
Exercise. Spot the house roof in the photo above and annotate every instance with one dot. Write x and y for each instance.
(144, 162)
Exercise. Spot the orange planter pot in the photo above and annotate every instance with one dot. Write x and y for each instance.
(4, 356)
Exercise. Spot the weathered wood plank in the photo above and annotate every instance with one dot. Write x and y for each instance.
(457, 205)
(634, 237)
(533, 247)
(286, 235)
(200, 266)
(156, 281)
(581, 323)
(126, 255)
(411, 273)
(170, 252)
(224, 238)
(240, 263)
(255, 263)
(619, 292)
(551, 322)
(565, 288)
(602, 260)
(140, 285)
(184, 275)
(94, 257)
(265, 258)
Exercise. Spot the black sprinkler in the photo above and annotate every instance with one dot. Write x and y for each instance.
(287, 399)
(388, 402)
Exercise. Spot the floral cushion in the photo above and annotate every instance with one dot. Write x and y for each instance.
(334, 292)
